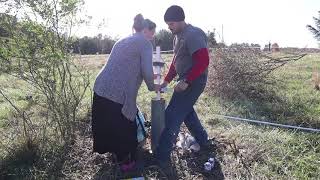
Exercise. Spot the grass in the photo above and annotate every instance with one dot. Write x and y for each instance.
(243, 151)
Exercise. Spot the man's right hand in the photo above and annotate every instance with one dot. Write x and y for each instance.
(163, 86)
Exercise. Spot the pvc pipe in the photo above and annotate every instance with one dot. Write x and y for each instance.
(271, 124)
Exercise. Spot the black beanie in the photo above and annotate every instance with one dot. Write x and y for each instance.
(174, 13)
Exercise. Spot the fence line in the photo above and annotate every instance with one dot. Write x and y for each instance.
(258, 48)
(210, 49)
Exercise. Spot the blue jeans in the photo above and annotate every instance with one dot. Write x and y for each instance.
(180, 109)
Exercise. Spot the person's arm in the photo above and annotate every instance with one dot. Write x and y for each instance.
(200, 63)
(171, 73)
(146, 66)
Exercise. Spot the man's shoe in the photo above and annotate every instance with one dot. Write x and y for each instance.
(129, 166)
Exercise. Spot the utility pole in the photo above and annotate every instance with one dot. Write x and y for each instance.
(222, 34)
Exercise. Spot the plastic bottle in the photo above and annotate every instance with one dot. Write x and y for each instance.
(211, 161)
(207, 166)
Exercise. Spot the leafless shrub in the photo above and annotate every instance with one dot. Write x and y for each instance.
(36, 51)
(243, 72)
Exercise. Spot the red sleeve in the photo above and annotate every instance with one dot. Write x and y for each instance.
(172, 72)
(201, 61)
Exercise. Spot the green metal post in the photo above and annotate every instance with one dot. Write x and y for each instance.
(157, 121)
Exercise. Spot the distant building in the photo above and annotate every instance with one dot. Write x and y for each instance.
(275, 47)
(271, 47)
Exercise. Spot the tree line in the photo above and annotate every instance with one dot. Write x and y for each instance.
(103, 44)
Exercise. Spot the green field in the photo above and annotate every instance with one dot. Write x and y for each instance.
(243, 151)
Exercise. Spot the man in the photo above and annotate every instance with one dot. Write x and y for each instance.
(190, 63)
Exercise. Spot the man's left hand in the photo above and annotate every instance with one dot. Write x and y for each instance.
(181, 86)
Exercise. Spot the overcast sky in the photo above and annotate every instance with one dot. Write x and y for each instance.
(251, 21)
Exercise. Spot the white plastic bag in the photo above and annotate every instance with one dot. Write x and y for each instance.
(187, 142)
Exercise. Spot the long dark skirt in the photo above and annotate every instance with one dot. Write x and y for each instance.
(112, 131)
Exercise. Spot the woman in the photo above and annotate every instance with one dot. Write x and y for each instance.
(115, 91)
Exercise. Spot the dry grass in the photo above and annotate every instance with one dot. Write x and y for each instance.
(91, 62)
(242, 151)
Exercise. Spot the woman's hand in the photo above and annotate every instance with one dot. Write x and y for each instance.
(157, 87)
(164, 84)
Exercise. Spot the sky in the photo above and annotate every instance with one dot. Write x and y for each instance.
(243, 21)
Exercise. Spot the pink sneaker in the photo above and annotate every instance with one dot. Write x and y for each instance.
(127, 166)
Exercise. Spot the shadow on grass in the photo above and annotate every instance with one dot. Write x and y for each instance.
(27, 162)
(145, 168)
(183, 166)
(107, 171)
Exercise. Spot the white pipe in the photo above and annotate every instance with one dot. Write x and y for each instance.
(158, 71)
(158, 82)
(158, 58)
(271, 124)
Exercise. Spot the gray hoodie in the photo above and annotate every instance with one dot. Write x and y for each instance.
(129, 63)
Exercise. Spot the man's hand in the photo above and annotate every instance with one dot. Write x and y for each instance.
(163, 86)
(181, 86)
